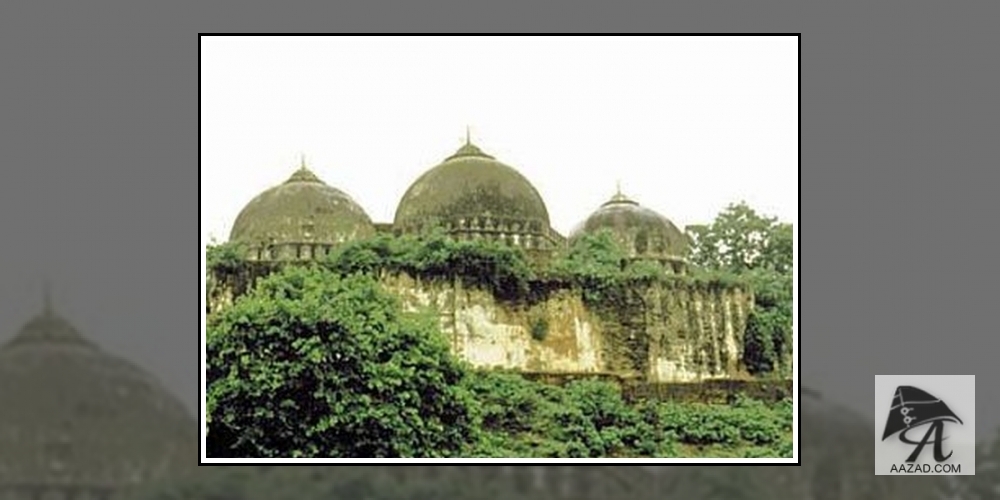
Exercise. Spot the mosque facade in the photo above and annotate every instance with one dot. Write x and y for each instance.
(663, 335)
(470, 195)
(78, 423)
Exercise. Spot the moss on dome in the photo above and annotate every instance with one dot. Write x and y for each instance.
(303, 209)
(470, 184)
(641, 231)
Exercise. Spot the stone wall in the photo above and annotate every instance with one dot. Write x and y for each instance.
(661, 335)
(557, 335)
(684, 333)
(695, 333)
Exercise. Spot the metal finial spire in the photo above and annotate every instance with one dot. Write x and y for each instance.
(302, 161)
(619, 197)
(468, 135)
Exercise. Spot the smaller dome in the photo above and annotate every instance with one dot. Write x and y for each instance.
(303, 209)
(642, 232)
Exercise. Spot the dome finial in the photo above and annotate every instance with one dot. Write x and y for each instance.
(468, 149)
(619, 197)
(303, 174)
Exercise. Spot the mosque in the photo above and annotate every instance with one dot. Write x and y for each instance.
(78, 423)
(686, 333)
(469, 195)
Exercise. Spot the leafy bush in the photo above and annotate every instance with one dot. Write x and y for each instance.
(768, 338)
(225, 258)
(748, 422)
(539, 328)
(314, 364)
(500, 268)
(589, 418)
(319, 361)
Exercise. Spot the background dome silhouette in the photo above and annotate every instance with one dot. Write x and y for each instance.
(75, 417)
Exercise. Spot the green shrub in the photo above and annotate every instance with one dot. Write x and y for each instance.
(539, 328)
(312, 364)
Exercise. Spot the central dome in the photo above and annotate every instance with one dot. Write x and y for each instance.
(472, 194)
(74, 416)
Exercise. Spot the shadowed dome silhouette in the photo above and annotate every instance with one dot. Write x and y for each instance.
(301, 210)
(472, 192)
(77, 420)
(912, 407)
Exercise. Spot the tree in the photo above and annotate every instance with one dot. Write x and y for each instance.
(768, 335)
(593, 254)
(597, 264)
(312, 363)
(759, 248)
(741, 240)
(224, 257)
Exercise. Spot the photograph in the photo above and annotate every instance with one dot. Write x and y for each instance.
(526, 249)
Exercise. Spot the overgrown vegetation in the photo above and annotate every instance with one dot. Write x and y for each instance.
(225, 258)
(317, 360)
(539, 327)
(589, 418)
(313, 363)
(740, 248)
(600, 269)
(502, 269)
(595, 265)
(757, 249)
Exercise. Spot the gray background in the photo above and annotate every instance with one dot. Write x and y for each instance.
(99, 113)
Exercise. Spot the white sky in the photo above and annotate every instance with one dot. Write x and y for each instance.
(687, 124)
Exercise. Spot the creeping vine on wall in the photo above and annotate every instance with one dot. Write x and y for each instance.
(610, 285)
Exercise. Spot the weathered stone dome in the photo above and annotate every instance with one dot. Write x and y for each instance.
(77, 421)
(473, 194)
(640, 231)
(301, 210)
